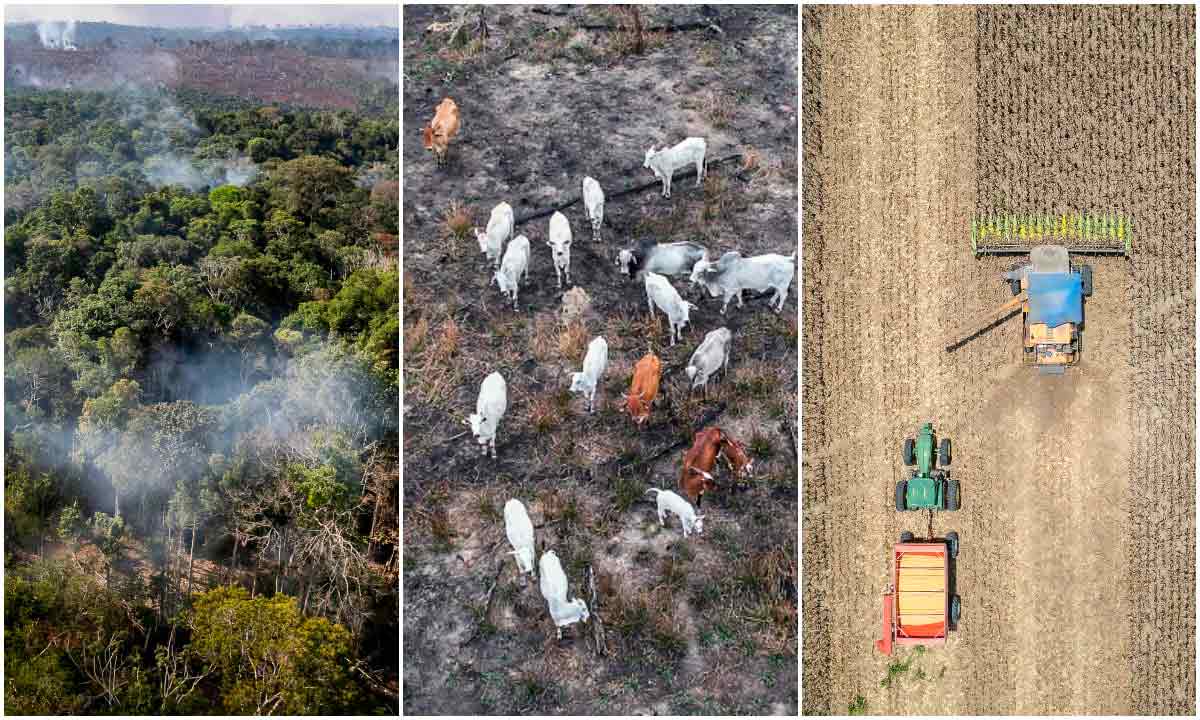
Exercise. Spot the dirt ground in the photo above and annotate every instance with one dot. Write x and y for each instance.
(1077, 567)
(706, 625)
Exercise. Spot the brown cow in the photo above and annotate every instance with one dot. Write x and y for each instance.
(644, 389)
(441, 130)
(698, 463)
(736, 458)
(696, 478)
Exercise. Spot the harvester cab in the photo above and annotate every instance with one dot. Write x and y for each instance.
(929, 486)
(1047, 290)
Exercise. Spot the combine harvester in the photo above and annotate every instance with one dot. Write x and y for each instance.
(1048, 290)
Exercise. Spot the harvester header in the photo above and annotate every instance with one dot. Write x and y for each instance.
(1079, 232)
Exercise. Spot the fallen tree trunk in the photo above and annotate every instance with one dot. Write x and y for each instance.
(673, 27)
(628, 190)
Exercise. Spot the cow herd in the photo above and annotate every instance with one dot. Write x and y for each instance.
(655, 262)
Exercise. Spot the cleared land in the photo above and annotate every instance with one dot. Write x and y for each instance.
(706, 625)
(1077, 568)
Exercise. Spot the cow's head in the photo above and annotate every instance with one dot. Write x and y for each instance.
(699, 269)
(649, 156)
(625, 261)
(477, 421)
(502, 280)
(698, 525)
(427, 136)
(482, 237)
(560, 249)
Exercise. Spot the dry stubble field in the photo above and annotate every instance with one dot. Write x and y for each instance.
(1077, 569)
(706, 625)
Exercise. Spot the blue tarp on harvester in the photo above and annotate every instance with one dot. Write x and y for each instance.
(1055, 298)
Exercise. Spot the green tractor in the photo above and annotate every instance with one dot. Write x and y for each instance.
(930, 487)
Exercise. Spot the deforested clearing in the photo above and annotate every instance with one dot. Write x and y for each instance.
(1077, 568)
(547, 96)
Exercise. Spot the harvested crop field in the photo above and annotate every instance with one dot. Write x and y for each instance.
(1077, 568)
(704, 625)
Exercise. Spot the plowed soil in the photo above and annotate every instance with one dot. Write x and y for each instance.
(705, 625)
(1077, 568)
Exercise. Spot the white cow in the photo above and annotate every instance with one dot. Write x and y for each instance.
(594, 364)
(560, 246)
(659, 292)
(554, 588)
(668, 500)
(732, 274)
(499, 230)
(665, 162)
(712, 355)
(519, 529)
(489, 408)
(513, 268)
(665, 259)
(593, 200)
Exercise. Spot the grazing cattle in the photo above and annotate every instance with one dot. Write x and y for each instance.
(513, 268)
(554, 588)
(594, 364)
(668, 500)
(737, 458)
(665, 162)
(438, 133)
(660, 292)
(560, 246)
(696, 477)
(646, 375)
(519, 529)
(699, 461)
(712, 355)
(489, 408)
(499, 230)
(732, 274)
(665, 259)
(593, 200)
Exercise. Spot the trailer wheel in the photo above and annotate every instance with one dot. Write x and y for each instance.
(952, 544)
(955, 611)
(906, 537)
(1015, 286)
(1085, 279)
(901, 491)
(909, 448)
(951, 494)
(944, 452)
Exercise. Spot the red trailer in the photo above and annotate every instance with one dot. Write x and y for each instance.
(919, 607)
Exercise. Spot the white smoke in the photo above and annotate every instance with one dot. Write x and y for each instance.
(57, 35)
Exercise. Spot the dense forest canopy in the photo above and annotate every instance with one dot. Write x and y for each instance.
(201, 391)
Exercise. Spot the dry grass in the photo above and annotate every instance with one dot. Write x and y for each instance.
(545, 414)
(718, 108)
(456, 222)
(573, 341)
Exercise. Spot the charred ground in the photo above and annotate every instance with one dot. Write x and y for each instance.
(701, 626)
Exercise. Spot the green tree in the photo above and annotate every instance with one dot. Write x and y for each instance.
(271, 659)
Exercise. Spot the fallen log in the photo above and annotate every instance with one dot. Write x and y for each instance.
(628, 190)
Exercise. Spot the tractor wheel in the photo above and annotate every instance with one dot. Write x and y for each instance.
(901, 491)
(944, 452)
(909, 447)
(1085, 278)
(952, 544)
(951, 494)
(955, 611)
(906, 537)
